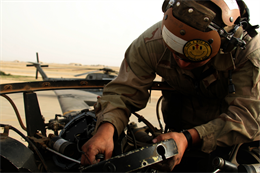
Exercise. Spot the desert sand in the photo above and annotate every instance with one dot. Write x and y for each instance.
(53, 71)
(48, 101)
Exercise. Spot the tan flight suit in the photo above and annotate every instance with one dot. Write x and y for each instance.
(221, 118)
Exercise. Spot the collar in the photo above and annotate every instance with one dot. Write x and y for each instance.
(221, 62)
(224, 61)
(167, 61)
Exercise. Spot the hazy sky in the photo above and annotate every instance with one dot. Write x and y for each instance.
(78, 31)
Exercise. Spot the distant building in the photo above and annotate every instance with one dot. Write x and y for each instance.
(75, 64)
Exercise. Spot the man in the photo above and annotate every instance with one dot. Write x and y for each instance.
(200, 49)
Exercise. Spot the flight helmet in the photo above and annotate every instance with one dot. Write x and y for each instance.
(196, 30)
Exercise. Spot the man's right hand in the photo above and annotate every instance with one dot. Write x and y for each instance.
(100, 143)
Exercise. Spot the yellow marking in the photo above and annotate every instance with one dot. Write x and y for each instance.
(197, 50)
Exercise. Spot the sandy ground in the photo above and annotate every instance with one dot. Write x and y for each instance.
(54, 70)
(48, 101)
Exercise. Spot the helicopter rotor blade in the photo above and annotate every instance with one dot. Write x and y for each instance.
(79, 74)
(85, 73)
(36, 76)
(37, 58)
(108, 70)
(86, 69)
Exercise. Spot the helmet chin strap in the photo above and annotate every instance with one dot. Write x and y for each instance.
(232, 41)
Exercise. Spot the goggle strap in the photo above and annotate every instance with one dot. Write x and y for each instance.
(229, 36)
(222, 32)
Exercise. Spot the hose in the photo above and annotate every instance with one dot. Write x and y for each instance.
(16, 111)
(157, 113)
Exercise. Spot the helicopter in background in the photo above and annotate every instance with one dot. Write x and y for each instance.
(73, 100)
(108, 73)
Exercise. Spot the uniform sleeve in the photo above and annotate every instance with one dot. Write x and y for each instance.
(129, 91)
(240, 123)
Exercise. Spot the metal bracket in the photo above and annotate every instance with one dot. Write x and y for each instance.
(34, 119)
(136, 159)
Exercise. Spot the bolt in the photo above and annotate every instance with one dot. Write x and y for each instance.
(210, 41)
(206, 19)
(7, 87)
(109, 167)
(231, 19)
(190, 10)
(221, 32)
(83, 83)
(182, 32)
(45, 84)
(171, 2)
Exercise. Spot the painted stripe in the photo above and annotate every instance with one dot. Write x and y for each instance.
(172, 40)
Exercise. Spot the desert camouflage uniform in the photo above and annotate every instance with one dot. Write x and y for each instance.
(221, 118)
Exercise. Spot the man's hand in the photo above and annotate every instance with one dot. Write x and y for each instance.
(182, 145)
(101, 142)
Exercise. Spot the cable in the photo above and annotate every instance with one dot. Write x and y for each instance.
(16, 111)
(141, 118)
(157, 113)
(61, 155)
(133, 136)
